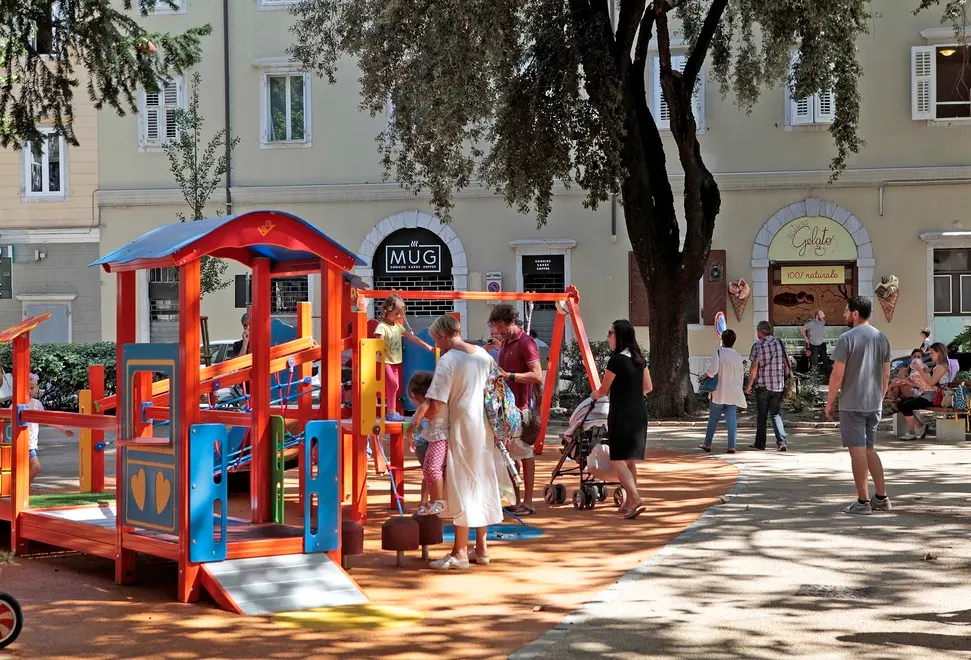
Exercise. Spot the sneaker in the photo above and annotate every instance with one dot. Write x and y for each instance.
(908, 436)
(707, 448)
(782, 447)
(880, 505)
(756, 447)
(731, 450)
(449, 562)
(394, 417)
(859, 509)
(474, 558)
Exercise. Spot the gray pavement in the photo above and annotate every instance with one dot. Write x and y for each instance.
(779, 571)
(59, 461)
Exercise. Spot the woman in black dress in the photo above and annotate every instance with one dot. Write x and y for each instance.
(626, 379)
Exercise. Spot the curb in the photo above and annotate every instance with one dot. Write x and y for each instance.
(540, 647)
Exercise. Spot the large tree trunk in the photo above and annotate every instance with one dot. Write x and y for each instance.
(673, 394)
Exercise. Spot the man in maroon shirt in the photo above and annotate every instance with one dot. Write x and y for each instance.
(519, 363)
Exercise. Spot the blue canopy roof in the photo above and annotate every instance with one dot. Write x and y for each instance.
(167, 240)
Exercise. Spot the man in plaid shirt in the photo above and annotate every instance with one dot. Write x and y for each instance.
(769, 369)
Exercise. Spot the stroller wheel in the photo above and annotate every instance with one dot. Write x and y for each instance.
(591, 496)
(619, 497)
(601, 493)
(11, 620)
(549, 494)
(560, 494)
(579, 500)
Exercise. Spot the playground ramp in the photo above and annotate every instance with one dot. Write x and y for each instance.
(285, 583)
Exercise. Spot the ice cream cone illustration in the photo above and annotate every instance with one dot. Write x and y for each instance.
(888, 304)
(739, 292)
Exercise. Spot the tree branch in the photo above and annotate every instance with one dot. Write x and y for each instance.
(700, 51)
(631, 13)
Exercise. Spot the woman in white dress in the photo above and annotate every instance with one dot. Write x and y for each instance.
(472, 486)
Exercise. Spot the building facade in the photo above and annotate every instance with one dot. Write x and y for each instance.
(799, 241)
(49, 233)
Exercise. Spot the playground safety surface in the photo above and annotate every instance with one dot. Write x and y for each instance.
(73, 608)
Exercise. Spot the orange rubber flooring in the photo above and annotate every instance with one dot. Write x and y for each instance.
(73, 609)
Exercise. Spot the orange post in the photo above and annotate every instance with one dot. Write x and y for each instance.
(96, 467)
(261, 447)
(189, 338)
(584, 343)
(358, 458)
(125, 332)
(20, 476)
(552, 369)
(305, 400)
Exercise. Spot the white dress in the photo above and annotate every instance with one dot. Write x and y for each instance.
(472, 486)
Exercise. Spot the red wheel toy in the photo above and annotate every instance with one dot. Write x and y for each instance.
(11, 620)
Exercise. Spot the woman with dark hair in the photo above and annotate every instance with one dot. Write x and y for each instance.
(626, 379)
(939, 377)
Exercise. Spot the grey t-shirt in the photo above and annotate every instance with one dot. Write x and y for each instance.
(864, 350)
(816, 331)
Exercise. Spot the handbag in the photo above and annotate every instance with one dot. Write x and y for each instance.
(708, 383)
(531, 418)
(961, 397)
(938, 401)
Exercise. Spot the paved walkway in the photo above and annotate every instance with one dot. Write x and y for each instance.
(778, 571)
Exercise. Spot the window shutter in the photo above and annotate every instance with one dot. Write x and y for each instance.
(658, 107)
(922, 86)
(800, 112)
(714, 286)
(824, 111)
(152, 116)
(638, 310)
(661, 113)
(172, 93)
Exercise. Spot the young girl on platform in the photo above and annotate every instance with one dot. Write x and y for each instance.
(430, 445)
(391, 328)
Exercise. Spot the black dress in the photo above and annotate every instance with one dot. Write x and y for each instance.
(627, 419)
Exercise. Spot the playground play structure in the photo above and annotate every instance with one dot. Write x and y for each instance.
(174, 450)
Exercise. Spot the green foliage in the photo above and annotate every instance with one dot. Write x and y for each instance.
(808, 395)
(41, 52)
(198, 172)
(572, 364)
(63, 370)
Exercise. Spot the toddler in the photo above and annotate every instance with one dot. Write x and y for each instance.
(430, 445)
(391, 328)
(33, 430)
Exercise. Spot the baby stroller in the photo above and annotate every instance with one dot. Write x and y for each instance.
(587, 430)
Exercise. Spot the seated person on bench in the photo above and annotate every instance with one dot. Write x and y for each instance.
(939, 377)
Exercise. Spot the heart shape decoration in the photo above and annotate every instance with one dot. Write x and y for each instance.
(137, 485)
(163, 490)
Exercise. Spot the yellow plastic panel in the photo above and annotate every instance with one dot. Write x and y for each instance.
(85, 444)
(372, 406)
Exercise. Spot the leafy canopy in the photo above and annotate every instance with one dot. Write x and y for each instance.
(524, 94)
(46, 47)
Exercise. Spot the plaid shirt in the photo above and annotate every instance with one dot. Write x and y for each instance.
(770, 355)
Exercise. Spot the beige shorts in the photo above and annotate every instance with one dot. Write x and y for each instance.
(519, 450)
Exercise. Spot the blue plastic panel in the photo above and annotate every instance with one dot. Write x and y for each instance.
(321, 528)
(204, 492)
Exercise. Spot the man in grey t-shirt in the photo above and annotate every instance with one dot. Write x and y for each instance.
(814, 332)
(861, 373)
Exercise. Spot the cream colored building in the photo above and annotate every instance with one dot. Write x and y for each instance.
(49, 233)
(901, 208)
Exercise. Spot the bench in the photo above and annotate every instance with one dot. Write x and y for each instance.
(951, 424)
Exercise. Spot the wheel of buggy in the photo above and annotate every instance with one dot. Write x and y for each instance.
(619, 497)
(601, 493)
(560, 494)
(549, 494)
(11, 620)
(579, 500)
(590, 493)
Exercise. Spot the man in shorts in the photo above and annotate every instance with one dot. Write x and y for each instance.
(861, 374)
(519, 363)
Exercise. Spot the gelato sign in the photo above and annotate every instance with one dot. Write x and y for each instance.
(812, 239)
(813, 275)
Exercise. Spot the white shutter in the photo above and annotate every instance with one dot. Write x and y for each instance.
(923, 90)
(662, 115)
(172, 94)
(800, 110)
(152, 118)
(825, 107)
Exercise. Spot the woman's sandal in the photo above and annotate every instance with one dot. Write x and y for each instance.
(636, 511)
(521, 510)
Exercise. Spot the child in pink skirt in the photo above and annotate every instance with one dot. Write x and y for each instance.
(433, 433)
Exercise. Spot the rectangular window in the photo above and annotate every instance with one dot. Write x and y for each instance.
(45, 167)
(270, 5)
(965, 282)
(157, 121)
(942, 294)
(286, 292)
(818, 109)
(170, 7)
(659, 108)
(44, 39)
(940, 82)
(286, 109)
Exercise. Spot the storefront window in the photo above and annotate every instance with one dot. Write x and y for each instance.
(952, 282)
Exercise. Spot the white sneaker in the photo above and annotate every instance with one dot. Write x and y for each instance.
(908, 436)
(474, 558)
(449, 562)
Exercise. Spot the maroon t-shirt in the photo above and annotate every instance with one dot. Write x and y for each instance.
(514, 357)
